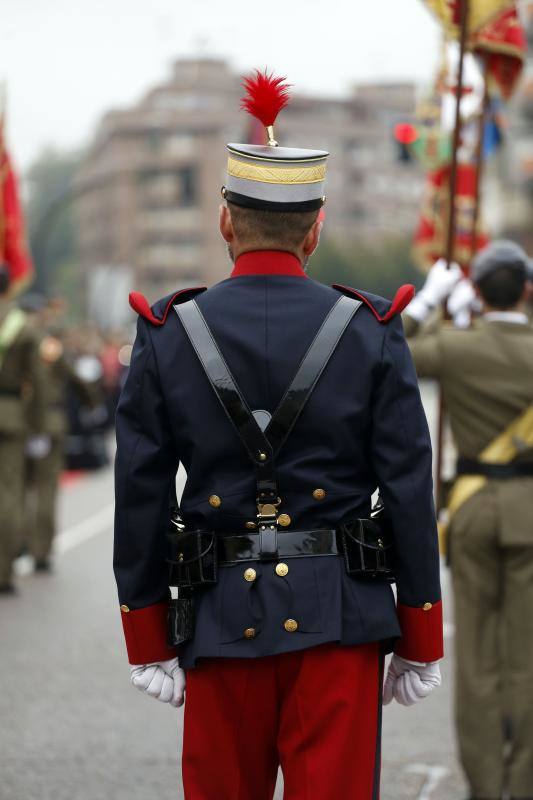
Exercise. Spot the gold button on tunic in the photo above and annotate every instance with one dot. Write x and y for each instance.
(284, 520)
(319, 494)
(249, 633)
(281, 569)
(290, 625)
(250, 575)
(215, 500)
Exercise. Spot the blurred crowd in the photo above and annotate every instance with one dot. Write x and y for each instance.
(59, 386)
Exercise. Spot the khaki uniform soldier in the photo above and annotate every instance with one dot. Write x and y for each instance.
(486, 376)
(21, 410)
(45, 453)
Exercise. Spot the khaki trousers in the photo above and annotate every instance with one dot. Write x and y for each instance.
(42, 481)
(493, 587)
(11, 499)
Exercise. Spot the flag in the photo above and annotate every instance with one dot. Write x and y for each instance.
(13, 248)
(432, 232)
(480, 13)
(503, 42)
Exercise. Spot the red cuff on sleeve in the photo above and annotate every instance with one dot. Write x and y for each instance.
(422, 636)
(145, 631)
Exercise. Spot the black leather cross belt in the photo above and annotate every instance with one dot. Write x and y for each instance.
(469, 466)
(247, 547)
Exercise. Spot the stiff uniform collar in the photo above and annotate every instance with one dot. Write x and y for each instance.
(268, 262)
(515, 317)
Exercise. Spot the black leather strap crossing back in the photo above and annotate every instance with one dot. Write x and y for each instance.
(230, 396)
(310, 370)
(263, 447)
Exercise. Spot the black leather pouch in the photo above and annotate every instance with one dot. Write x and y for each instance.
(180, 620)
(367, 547)
(193, 558)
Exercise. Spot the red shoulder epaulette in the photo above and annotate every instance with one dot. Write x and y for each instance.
(402, 298)
(140, 304)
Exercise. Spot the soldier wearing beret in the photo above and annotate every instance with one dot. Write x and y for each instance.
(486, 375)
(288, 403)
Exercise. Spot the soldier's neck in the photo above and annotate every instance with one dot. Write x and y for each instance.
(238, 249)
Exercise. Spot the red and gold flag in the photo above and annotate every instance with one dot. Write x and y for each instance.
(13, 248)
(503, 42)
(432, 232)
(480, 13)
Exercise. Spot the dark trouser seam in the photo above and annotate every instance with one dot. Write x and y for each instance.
(377, 762)
(238, 731)
(302, 729)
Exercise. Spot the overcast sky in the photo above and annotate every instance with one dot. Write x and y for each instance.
(67, 61)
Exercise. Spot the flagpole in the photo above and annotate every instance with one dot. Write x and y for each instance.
(464, 8)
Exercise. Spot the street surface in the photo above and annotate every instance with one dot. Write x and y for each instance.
(73, 728)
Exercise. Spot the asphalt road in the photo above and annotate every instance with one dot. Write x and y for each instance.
(73, 728)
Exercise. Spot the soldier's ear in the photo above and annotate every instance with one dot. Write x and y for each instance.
(313, 238)
(226, 224)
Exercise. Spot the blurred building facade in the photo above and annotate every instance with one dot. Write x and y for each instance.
(149, 186)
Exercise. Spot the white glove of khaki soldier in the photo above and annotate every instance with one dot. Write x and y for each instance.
(462, 302)
(438, 286)
(164, 680)
(38, 447)
(407, 682)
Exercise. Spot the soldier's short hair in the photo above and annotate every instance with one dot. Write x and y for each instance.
(502, 288)
(271, 229)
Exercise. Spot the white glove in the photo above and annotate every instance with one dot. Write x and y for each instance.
(461, 302)
(38, 447)
(439, 283)
(164, 680)
(409, 681)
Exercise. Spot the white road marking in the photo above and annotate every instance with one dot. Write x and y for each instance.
(433, 775)
(83, 531)
(71, 537)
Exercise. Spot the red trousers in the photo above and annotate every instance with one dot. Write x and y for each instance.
(316, 712)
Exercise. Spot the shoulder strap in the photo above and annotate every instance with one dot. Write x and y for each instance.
(311, 368)
(262, 447)
(9, 330)
(230, 396)
(257, 443)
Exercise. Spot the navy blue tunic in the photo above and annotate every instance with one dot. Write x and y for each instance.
(363, 427)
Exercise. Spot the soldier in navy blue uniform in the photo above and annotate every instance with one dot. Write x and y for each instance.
(281, 641)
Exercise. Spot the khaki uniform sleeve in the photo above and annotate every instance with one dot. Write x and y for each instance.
(35, 379)
(425, 346)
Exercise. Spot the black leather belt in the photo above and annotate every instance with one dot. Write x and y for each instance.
(291, 544)
(469, 466)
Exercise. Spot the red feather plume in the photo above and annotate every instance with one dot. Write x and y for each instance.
(265, 96)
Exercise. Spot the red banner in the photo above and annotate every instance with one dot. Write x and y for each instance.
(13, 248)
(431, 234)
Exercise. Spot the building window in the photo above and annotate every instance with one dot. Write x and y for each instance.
(172, 188)
(188, 179)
